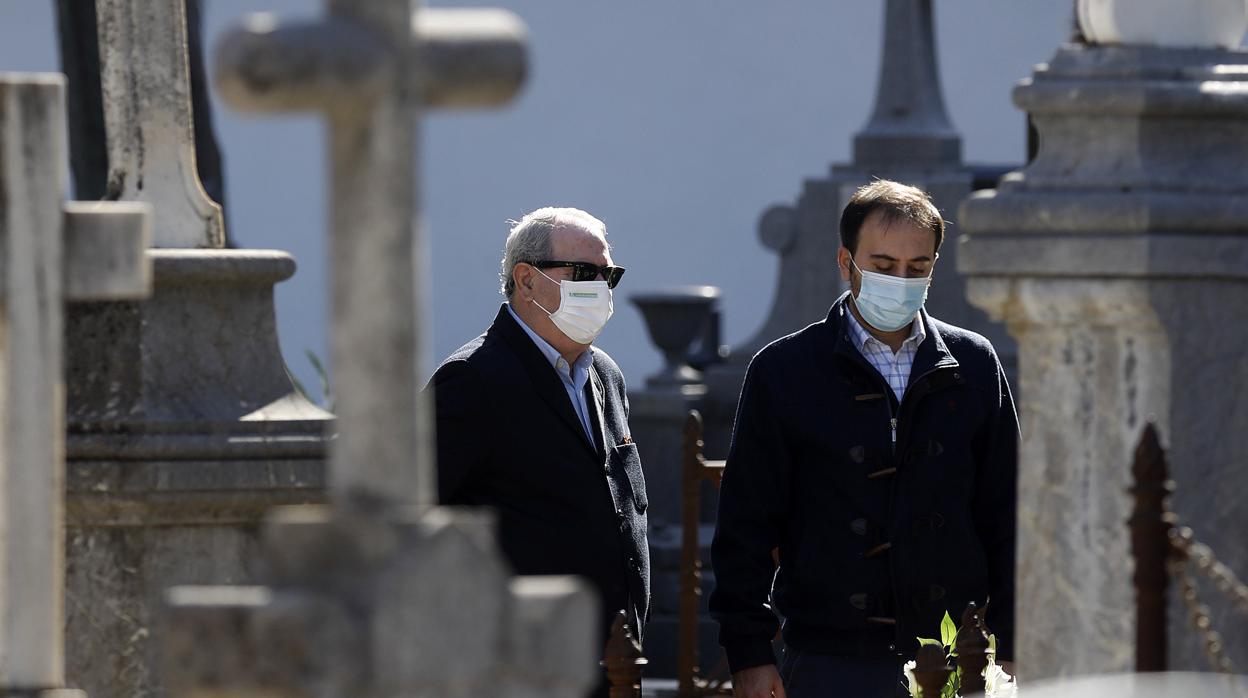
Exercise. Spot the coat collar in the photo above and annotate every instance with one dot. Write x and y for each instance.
(541, 374)
(933, 353)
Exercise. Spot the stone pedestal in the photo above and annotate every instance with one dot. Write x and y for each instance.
(183, 431)
(1119, 260)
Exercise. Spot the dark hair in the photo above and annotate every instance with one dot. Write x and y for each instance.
(898, 202)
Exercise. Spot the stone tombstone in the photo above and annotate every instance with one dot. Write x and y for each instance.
(183, 424)
(50, 253)
(908, 138)
(1119, 260)
(380, 593)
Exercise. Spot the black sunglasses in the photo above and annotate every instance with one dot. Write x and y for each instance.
(584, 271)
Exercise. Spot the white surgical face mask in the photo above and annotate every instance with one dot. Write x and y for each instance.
(584, 308)
(889, 303)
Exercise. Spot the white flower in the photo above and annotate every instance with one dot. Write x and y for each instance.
(997, 683)
(912, 685)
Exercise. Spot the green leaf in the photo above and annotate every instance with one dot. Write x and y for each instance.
(948, 631)
(925, 641)
(950, 689)
(992, 644)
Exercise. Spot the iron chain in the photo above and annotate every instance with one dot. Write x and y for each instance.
(1198, 615)
(1208, 565)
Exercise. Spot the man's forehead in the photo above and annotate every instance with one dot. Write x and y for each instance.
(569, 239)
(894, 237)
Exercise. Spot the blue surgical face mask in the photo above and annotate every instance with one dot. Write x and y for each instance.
(889, 303)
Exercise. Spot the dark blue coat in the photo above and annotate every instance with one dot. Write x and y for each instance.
(508, 438)
(881, 526)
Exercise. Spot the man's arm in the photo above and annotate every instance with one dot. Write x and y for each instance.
(995, 512)
(463, 426)
(753, 498)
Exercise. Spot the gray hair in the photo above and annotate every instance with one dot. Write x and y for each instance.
(529, 239)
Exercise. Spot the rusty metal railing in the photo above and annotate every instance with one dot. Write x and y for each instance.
(695, 470)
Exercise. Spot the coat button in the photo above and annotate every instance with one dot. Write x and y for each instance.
(858, 526)
(619, 513)
(857, 454)
(934, 448)
(858, 601)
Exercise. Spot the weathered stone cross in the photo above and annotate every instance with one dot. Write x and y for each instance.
(50, 252)
(369, 67)
(380, 594)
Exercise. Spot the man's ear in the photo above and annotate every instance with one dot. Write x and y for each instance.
(522, 277)
(842, 261)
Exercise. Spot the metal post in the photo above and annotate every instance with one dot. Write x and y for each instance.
(690, 562)
(1150, 526)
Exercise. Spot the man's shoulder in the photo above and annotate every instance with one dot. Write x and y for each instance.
(962, 341)
(973, 352)
(790, 347)
(483, 353)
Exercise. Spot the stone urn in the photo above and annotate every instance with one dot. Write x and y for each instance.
(675, 317)
(1165, 23)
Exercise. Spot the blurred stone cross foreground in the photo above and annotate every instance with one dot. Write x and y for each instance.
(51, 252)
(379, 593)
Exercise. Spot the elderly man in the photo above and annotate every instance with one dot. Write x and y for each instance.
(533, 420)
(877, 451)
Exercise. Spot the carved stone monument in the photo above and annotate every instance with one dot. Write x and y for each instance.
(50, 253)
(1119, 260)
(183, 424)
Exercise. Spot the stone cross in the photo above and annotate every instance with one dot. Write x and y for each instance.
(50, 252)
(379, 594)
(145, 76)
(368, 67)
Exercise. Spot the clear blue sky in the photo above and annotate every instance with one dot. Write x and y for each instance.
(677, 123)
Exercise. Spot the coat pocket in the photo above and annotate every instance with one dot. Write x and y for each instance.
(626, 457)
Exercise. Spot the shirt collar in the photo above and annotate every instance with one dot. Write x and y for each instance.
(918, 332)
(579, 368)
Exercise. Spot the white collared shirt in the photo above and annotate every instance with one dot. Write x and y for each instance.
(572, 376)
(895, 368)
